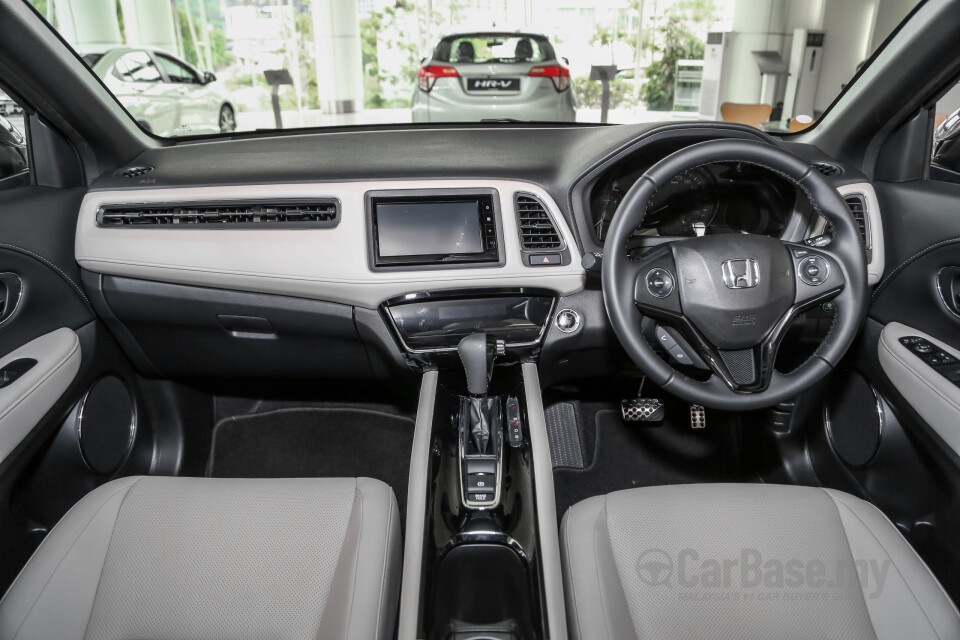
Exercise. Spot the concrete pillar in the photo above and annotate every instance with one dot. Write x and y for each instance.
(848, 25)
(88, 24)
(150, 23)
(760, 26)
(336, 34)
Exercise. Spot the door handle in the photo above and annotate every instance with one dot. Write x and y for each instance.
(948, 286)
(11, 290)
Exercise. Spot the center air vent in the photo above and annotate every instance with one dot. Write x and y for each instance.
(858, 208)
(275, 215)
(537, 230)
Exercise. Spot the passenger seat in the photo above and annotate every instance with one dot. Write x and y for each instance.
(209, 558)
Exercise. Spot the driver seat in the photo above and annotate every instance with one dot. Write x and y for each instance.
(744, 561)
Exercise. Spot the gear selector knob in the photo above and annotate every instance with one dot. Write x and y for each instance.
(477, 352)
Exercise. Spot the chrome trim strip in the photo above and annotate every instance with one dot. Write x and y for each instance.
(416, 510)
(546, 505)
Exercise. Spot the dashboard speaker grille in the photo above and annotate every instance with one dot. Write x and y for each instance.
(275, 215)
(133, 172)
(828, 168)
(537, 230)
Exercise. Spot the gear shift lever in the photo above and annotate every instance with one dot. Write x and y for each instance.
(477, 352)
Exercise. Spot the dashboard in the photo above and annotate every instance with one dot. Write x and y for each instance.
(378, 259)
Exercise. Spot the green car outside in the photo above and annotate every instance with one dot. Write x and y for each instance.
(166, 95)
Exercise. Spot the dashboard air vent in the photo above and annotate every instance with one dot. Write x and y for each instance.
(537, 230)
(133, 172)
(276, 215)
(858, 208)
(828, 168)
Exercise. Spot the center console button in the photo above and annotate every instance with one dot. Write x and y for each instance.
(480, 497)
(486, 483)
(548, 259)
(480, 465)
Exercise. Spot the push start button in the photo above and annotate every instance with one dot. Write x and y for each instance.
(660, 282)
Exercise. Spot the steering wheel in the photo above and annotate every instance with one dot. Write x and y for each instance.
(731, 297)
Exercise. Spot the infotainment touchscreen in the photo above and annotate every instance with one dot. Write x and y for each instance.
(429, 228)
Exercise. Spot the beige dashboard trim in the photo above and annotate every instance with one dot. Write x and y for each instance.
(874, 223)
(932, 396)
(322, 264)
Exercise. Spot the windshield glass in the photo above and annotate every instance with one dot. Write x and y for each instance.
(200, 67)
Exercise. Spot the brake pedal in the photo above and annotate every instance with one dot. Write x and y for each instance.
(698, 416)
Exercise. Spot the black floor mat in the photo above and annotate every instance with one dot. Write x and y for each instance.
(626, 456)
(315, 442)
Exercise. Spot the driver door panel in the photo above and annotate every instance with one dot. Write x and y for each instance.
(916, 298)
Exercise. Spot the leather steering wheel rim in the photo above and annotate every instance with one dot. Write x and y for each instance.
(845, 253)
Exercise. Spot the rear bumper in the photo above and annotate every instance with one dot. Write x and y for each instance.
(435, 107)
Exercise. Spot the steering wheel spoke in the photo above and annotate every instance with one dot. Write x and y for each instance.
(819, 276)
(747, 370)
(656, 291)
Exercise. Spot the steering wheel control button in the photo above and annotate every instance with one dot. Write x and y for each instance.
(801, 253)
(665, 339)
(568, 320)
(813, 270)
(660, 282)
(545, 260)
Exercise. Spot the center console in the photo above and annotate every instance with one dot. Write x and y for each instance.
(482, 554)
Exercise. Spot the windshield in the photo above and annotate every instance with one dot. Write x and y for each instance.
(201, 67)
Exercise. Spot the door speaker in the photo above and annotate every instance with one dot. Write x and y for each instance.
(853, 419)
(106, 424)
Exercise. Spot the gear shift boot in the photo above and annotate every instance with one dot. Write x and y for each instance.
(480, 418)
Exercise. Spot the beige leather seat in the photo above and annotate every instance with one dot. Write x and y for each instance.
(208, 559)
(745, 561)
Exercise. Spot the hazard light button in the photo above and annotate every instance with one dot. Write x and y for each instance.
(544, 260)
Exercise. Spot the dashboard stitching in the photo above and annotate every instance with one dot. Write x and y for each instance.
(51, 265)
(903, 264)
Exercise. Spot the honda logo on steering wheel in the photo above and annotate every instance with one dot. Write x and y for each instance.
(740, 274)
